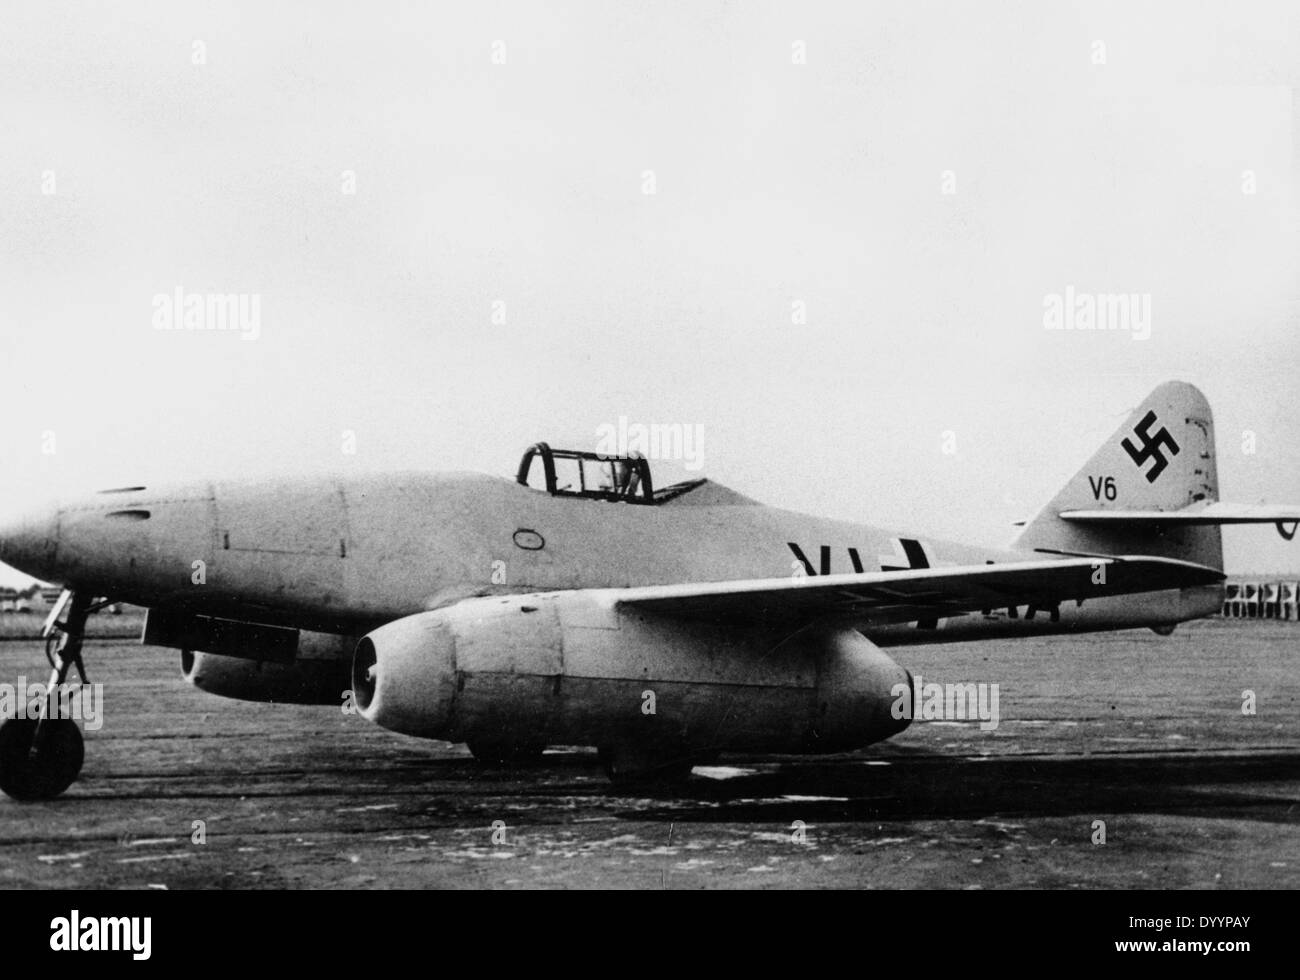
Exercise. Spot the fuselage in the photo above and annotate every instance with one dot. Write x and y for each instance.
(345, 555)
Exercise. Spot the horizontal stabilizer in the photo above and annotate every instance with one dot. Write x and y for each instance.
(1205, 514)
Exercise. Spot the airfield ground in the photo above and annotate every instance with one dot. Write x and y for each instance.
(1143, 733)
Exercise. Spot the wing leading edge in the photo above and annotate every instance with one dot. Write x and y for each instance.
(902, 595)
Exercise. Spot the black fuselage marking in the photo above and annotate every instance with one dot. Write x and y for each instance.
(912, 550)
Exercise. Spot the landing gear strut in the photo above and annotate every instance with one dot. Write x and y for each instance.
(40, 757)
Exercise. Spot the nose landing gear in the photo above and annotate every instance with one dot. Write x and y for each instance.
(41, 756)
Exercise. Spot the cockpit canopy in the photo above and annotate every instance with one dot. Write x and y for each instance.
(594, 476)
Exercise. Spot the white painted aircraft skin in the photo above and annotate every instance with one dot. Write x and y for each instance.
(510, 618)
(344, 555)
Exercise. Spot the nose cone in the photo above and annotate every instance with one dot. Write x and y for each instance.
(29, 539)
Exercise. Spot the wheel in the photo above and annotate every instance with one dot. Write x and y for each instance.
(503, 754)
(47, 772)
(636, 769)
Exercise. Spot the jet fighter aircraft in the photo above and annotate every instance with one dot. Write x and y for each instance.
(582, 604)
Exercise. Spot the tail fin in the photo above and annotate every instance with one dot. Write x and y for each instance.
(1160, 460)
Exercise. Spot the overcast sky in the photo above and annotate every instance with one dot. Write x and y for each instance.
(823, 233)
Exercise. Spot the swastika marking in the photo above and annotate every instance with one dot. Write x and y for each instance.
(1151, 446)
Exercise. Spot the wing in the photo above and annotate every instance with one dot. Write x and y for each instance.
(876, 597)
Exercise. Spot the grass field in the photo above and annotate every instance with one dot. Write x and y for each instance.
(104, 625)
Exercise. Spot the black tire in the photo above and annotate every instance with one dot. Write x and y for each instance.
(644, 773)
(45, 774)
(506, 755)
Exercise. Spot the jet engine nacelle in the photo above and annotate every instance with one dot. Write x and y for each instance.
(320, 673)
(576, 669)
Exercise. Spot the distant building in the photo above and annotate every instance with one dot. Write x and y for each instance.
(35, 598)
(40, 599)
(1260, 598)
